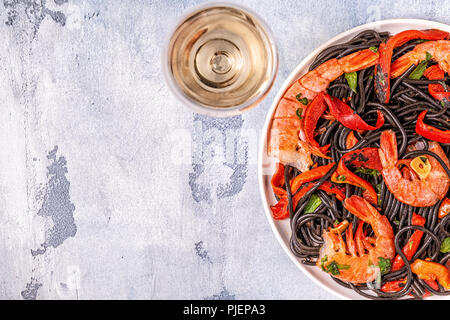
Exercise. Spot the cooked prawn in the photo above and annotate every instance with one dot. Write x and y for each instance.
(439, 51)
(287, 142)
(406, 186)
(358, 260)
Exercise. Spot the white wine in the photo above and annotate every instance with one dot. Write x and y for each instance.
(222, 57)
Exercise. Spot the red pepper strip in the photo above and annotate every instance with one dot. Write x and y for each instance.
(312, 114)
(280, 210)
(383, 68)
(427, 270)
(430, 132)
(409, 250)
(397, 285)
(444, 209)
(413, 243)
(394, 285)
(345, 115)
(366, 158)
(278, 181)
(310, 175)
(351, 140)
(437, 91)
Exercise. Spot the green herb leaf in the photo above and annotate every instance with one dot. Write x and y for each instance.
(378, 188)
(372, 172)
(322, 261)
(352, 80)
(442, 103)
(333, 267)
(341, 178)
(420, 69)
(424, 159)
(445, 245)
(384, 264)
(299, 113)
(373, 49)
(298, 97)
(304, 101)
(313, 203)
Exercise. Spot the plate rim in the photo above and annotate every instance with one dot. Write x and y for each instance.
(262, 154)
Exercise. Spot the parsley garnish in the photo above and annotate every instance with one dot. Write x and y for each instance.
(372, 172)
(445, 245)
(352, 80)
(384, 264)
(420, 69)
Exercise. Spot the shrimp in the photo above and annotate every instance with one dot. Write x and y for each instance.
(359, 259)
(439, 51)
(406, 186)
(287, 141)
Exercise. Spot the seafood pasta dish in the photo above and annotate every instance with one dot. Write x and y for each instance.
(362, 143)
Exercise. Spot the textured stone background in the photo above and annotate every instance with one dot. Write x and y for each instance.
(109, 187)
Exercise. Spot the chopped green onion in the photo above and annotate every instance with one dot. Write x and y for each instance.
(420, 69)
(304, 101)
(372, 172)
(352, 80)
(313, 203)
(384, 264)
(333, 267)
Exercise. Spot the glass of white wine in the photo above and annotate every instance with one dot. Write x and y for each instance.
(221, 59)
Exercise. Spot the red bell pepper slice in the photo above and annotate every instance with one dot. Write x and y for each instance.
(436, 90)
(351, 140)
(444, 209)
(412, 245)
(408, 250)
(430, 132)
(299, 187)
(348, 117)
(427, 270)
(383, 68)
(278, 181)
(311, 115)
(366, 158)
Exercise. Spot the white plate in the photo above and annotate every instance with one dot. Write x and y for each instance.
(266, 164)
